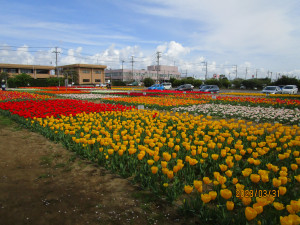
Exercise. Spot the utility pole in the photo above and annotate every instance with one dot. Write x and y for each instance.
(236, 74)
(271, 76)
(205, 63)
(246, 73)
(256, 73)
(122, 71)
(132, 61)
(158, 56)
(56, 52)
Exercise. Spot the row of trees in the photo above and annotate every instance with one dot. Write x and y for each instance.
(223, 82)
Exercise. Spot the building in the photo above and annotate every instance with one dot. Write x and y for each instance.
(157, 73)
(35, 71)
(87, 73)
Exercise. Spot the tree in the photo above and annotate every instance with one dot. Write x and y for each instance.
(20, 80)
(237, 82)
(71, 75)
(4, 76)
(148, 82)
(285, 80)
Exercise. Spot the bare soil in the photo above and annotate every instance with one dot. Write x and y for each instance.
(41, 182)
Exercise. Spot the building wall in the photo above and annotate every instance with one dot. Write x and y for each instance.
(87, 73)
(35, 71)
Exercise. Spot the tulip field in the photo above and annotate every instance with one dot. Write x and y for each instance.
(223, 159)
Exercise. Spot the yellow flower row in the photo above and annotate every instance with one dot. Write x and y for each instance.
(185, 148)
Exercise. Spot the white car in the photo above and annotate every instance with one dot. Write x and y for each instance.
(167, 86)
(290, 89)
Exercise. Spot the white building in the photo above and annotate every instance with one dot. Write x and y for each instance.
(157, 73)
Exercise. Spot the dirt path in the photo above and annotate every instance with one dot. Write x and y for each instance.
(43, 183)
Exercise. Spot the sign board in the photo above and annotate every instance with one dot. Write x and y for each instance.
(141, 107)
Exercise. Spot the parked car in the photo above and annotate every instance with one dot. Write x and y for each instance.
(184, 87)
(167, 85)
(210, 88)
(135, 83)
(243, 87)
(157, 87)
(290, 89)
(271, 90)
(281, 86)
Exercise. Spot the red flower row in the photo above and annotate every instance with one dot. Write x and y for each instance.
(32, 108)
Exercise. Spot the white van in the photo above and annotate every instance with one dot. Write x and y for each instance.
(167, 86)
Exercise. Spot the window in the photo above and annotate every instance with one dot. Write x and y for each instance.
(97, 80)
(42, 71)
(85, 71)
(26, 71)
(10, 70)
(98, 71)
(86, 80)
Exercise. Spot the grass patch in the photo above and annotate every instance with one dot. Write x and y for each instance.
(145, 197)
(44, 176)
(46, 160)
(5, 121)
(60, 165)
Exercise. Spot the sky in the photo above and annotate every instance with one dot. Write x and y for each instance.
(250, 37)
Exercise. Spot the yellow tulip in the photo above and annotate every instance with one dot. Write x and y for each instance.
(154, 169)
(197, 183)
(226, 193)
(205, 198)
(188, 189)
(255, 178)
(213, 195)
(246, 201)
(294, 167)
(206, 180)
(229, 205)
(250, 213)
(278, 205)
(282, 190)
(214, 156)
(223, 167)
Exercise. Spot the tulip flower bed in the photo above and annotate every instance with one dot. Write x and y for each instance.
(86, 96)
(54, 92)
(16, 95)
(163, 102)
(257, 114)
(247, 101)
(261, 95)
(223, 171)
(226, 171)
(58, 107)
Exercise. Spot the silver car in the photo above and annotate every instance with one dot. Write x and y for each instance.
(271, 90)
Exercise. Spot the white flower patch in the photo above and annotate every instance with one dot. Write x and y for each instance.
(258, 114)
(87, 96)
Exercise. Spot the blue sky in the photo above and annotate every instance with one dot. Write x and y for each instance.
(260, 35)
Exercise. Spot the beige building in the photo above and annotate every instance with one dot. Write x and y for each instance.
(35, 71)
(87, 73)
